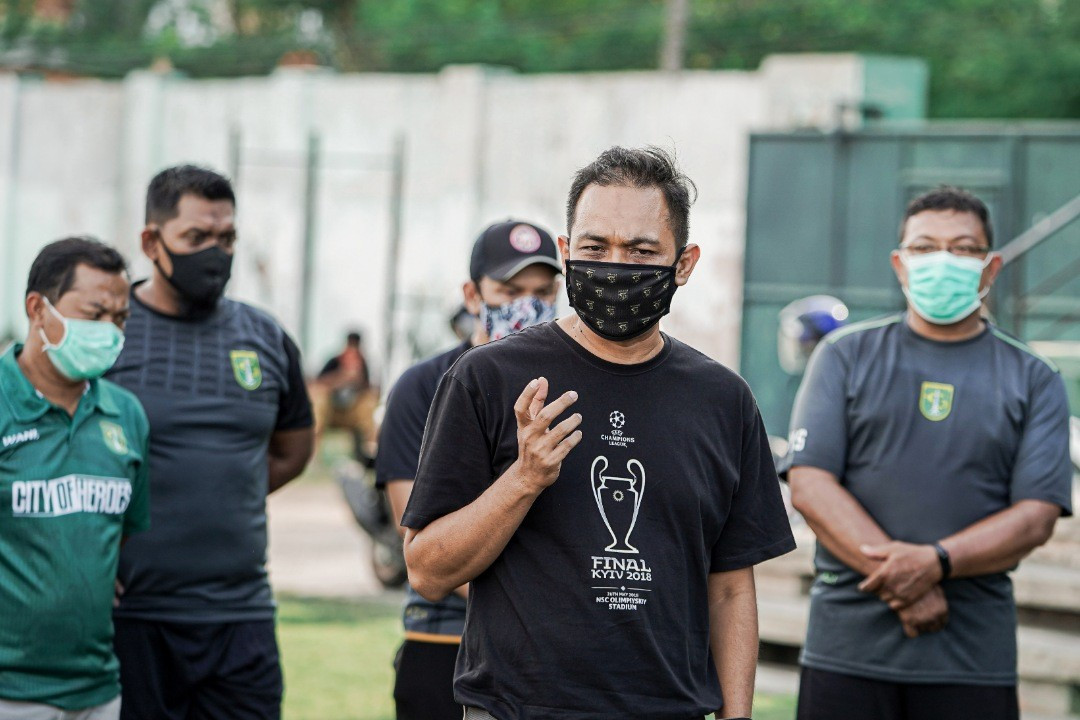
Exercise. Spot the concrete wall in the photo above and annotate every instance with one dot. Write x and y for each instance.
(481, 145)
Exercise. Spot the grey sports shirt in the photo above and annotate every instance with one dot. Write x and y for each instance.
(215, 390)
(929, 437)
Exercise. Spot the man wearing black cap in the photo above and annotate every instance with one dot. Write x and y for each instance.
(512, 286)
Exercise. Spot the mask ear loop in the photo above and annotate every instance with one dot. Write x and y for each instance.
(41, 330)
(986, 263)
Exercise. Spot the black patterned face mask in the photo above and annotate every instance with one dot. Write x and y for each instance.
(620, 300)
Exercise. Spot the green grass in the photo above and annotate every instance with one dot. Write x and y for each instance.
(337, 658)
(338, 654)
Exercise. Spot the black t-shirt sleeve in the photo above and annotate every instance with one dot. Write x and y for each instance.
(1043, 470)
(294, 406)
(402, 430)
(818, 435)
(455, 459)
(757, 526)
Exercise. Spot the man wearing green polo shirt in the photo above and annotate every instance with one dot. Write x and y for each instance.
(73, 484)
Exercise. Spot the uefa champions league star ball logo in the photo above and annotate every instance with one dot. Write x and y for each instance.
(617, 419)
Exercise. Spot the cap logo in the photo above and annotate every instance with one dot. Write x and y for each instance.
(525, 239)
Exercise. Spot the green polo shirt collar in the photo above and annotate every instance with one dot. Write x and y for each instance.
(28, 405)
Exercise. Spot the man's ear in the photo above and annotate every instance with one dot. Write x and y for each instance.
(35, 308)
(898, 268)
(991, 271)
(151, 243)
(564, 251)
(687, 262)
(471, 294)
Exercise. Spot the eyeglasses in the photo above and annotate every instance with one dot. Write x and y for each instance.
(961, 250)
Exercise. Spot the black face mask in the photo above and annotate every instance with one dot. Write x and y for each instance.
(620, 301)
(200, 277)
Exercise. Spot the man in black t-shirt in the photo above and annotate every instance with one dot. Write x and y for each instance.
(230, 422)
(604, 488)
(513, 283)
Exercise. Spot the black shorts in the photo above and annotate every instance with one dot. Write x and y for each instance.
(424, 686)
(198, 671)
(825, 695)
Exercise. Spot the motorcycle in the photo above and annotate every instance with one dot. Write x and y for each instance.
(371, 510)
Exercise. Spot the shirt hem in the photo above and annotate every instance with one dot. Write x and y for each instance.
(196, 617)
(828, 466)
(754, 557)
(71, 702)
(416, 522)
(876, 672)
(1063, 502)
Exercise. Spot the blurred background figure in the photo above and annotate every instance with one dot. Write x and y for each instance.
(462, 322)
(344, 398)
(803, 323)
(513, 282)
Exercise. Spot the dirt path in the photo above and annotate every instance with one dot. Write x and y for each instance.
(315, 546)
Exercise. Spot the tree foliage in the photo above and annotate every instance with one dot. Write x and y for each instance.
(988, 58)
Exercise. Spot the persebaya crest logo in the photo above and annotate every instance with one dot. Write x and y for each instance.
(114, 437)
(936, 400)
(246, 369)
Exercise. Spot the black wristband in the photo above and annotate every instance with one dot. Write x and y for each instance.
(944, 559)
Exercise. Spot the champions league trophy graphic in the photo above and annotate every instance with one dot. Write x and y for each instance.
(618, 500)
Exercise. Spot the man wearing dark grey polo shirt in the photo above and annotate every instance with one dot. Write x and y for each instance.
(929, 453)
(230, 422)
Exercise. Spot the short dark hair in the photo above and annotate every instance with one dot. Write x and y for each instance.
(168, 186)
(354, 338)
(642, 168)
(949, 197)
(53, 272)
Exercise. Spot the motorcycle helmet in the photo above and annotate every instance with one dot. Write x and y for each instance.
(803, 323)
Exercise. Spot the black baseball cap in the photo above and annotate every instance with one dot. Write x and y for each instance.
(505, 249)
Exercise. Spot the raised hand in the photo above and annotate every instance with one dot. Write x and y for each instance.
(541, 448)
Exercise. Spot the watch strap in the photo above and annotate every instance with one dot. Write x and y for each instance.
(944, 559)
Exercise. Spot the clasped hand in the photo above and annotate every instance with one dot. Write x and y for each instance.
(907, 578)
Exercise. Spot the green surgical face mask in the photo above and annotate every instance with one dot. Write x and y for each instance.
(943, 288)
(88, 348)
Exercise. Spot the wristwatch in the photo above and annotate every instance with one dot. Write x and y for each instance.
(944, 559)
